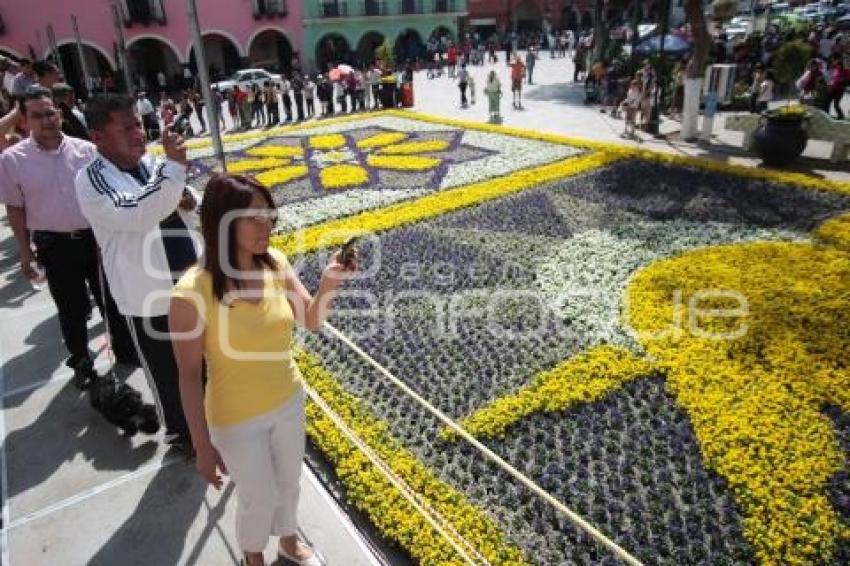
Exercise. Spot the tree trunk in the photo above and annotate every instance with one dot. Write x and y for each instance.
(696, 68)
(600, 31)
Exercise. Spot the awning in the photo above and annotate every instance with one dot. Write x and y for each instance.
(482, 22)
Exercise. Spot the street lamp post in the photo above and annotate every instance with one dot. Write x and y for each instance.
(654, 124)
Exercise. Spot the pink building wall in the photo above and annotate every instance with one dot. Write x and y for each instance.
(26, 22)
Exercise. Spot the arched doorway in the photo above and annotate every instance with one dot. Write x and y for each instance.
(586, 21)
(330, 50)
(149, 56)
(97, 65)
(527, 17)
(409, 46)
(271, 50)
(366, 47)
(222, 56)
(443, 31)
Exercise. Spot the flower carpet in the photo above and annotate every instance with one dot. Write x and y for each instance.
(661, 343)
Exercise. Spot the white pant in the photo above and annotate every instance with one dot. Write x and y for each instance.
(263, 456)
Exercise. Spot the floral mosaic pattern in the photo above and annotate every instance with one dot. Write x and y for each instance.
(631, 457)
(683, 450)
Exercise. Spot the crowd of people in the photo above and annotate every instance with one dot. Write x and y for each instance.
(105, 222)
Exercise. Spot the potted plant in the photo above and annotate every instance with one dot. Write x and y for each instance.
(781, 136)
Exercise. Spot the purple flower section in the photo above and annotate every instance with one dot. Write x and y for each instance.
(530, 213)
(839, 485)
(661, 193)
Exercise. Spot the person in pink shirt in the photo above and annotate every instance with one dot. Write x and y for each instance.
(37, 187)
(837, 83)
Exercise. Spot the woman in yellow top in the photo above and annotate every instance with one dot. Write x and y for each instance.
(237, 312)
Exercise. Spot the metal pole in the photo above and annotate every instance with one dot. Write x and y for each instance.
(122, 48)
(654, 125)
(83, 64)
(203, 75)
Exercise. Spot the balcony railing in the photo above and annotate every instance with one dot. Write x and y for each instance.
(411, 7)
(144, 12)
(446, 6)
(269, 8)
(333, 9)
(375, 8)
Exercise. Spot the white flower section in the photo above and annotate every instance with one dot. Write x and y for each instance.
(389, 122)
(512, 154)
(300, 214)
(204, 152)
(585, 278)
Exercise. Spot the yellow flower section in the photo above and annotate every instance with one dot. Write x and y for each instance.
(335, 232)
(342, 176)
(281, 175)
(836, 232)
(402, 162)
(585, 378)
(329, 141)
(275, 151)
(755, 401)
(255, 164)
(372, 493)
(414, 147)
(380, 140)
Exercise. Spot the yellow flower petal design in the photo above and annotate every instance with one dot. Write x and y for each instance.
(342, 176)
(755, 398)
(409, 148)
(329, 141)
(275, 151)
(281, 175)
(255, 164)
(836, 232)
(380, 140)
(402, 162)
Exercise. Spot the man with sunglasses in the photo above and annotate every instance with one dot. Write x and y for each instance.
(140, 210)
(37, 187)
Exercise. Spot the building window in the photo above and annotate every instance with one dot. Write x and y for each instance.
(269, 8)
(333, 9)
(375, 8)
(145, 12)
(411, 6)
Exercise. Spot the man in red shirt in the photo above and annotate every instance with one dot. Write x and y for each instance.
(451, 59)
(517, 74)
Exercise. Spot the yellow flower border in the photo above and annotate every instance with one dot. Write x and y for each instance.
(245, 165)
(335, 232)
(372, 493)
(414, 147)
(584, 378)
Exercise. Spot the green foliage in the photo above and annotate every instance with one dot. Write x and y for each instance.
(385, 54)
(790, 60)
(724, 10)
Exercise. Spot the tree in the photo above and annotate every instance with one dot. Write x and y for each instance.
(384, 53)
(696, 67)
(601, 35)
(724, 10)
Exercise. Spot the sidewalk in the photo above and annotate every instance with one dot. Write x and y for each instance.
(75, 492)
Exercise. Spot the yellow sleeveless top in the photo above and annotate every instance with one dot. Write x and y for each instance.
(247, 347)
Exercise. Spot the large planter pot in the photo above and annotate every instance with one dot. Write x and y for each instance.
(779, 141)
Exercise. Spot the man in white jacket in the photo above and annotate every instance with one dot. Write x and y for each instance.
(139, 207)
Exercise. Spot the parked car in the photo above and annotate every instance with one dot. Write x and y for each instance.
(247, 78)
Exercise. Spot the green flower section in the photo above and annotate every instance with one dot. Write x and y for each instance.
(756, 400)
(584, 378)
(372, 493)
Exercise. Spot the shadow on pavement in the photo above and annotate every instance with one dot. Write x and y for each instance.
(156, 531)
(563, 93)
(66, 428)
